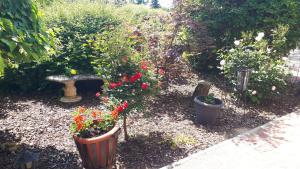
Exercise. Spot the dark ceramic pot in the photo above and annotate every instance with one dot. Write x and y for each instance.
(98, 152)
(207, 113)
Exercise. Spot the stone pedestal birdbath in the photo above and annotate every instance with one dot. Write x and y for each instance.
(70, 91)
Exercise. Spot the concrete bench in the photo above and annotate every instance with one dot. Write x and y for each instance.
(70, 91)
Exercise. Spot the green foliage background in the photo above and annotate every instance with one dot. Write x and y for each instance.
(228, 19)
(75, 26)
(22, 35)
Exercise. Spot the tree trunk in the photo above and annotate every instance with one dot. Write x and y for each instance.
(125, 127)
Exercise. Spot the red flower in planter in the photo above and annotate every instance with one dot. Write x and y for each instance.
(98, 94)
(79, 126)
(94, 114)
(78, 119)
(115, 114)
(112, 85)
(81, 109)
(145, 86)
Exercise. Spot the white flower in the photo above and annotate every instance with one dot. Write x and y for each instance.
(222, 63)
(260, 36)
(285, 58)
(237, 42)
(254, 92)
(273, 88)
(231, 50)
(268, 50)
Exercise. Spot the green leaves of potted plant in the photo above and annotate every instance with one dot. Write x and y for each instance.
(95, 133)
(207, 108)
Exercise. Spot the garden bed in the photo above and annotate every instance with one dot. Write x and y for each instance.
(163, 133)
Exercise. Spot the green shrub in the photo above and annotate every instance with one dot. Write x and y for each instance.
(22, 37)
(228, 19)
(76, 27)
(269, 73)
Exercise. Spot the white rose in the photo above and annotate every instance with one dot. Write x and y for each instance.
(237, 42)
(222, 62)
(273, 88)
(254, 92)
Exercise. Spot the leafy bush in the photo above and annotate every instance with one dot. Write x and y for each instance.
(269, 73)
(76, 26)
(127, 75)
(22, 37)
(228, 19)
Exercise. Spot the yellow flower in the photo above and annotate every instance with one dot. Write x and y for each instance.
(73, 72)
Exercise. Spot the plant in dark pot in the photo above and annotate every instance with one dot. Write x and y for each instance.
(95, 133)
(207, 109)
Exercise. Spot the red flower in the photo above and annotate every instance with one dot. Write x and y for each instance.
(138, 75)
(119, 83)
(115, 114)
(94, 114)
(145, 86)
(81, 109)
(161, 71)
(78, 119)
(112, 85)
(98, 94)
(79, 126)
(133, 79)
(125, 105)
(120, 109)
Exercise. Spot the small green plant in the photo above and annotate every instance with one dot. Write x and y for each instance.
(183, 140)
(210, 99)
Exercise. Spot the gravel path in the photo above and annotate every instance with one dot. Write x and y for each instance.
(163, 133)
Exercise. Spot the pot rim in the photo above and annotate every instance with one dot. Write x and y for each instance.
(196, 100)
(103, 137)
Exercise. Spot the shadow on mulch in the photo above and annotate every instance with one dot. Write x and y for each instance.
(49, 157)
(230, 120)
(153, 151)
(177, 106)
(6, 104)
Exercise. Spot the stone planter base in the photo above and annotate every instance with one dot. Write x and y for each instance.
(70, 99)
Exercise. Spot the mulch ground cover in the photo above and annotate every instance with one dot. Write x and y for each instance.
(161, 134)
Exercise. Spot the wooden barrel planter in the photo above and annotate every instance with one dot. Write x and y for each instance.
(98, 152)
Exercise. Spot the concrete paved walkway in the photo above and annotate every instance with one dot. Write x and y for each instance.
(275, 145)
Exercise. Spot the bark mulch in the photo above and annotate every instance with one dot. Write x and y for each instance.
(163, 133)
